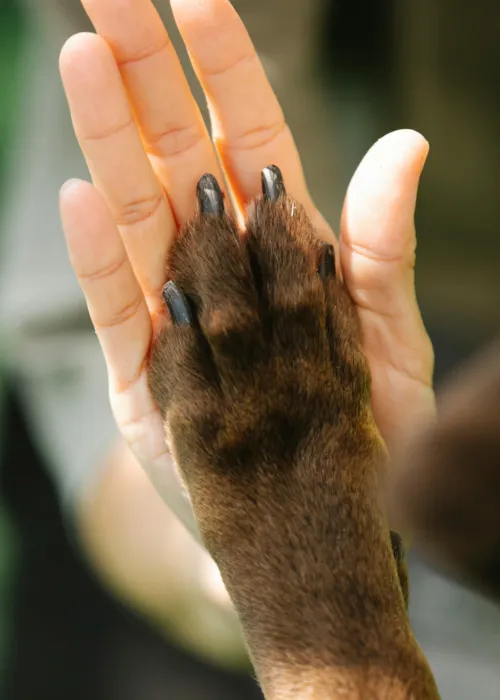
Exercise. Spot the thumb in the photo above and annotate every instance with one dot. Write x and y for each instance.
(377, 253)
(377, 233)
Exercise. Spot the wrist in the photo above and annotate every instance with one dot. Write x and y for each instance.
(316, 680)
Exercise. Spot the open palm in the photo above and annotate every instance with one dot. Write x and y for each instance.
(146, 146)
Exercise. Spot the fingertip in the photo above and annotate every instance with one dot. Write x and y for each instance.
(405, 135)
(93, 87)
(69, 187)
(132, 28)
(83, 211)
(203, 20)
(405, 148)
(187, 11)
(76, 192)
(89, 75)
(75, 50)
(379, 209)
(69, 198)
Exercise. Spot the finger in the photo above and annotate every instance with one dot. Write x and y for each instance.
(377, 248)
(172, 129)
(377, 227)
(116, 304)
(120, 169)
(248, 125)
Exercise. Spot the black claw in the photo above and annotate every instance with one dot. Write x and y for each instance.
(210, 197)
(326, 267)
(177, 304)
(397, 546)
(273, 186)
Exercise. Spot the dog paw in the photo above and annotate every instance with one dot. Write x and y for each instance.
(265, 395)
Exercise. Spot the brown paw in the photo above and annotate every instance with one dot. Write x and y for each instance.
(266, 398)
(263, 354)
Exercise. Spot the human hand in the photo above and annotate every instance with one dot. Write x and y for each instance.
(146, 147)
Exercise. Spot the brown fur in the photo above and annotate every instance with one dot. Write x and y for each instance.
(447, 485)
(266, 399)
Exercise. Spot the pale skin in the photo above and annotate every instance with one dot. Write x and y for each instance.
(146, 146)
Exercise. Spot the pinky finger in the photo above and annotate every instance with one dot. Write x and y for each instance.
(115, 301)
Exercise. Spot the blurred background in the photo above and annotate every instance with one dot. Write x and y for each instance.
(346, 72)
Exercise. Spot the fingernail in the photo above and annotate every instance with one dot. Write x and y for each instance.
(177, 304)
(69, 184)
(210, 197)
(272, 183)
(326, 267)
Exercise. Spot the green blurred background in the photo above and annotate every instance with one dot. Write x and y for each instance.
(11, 42)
